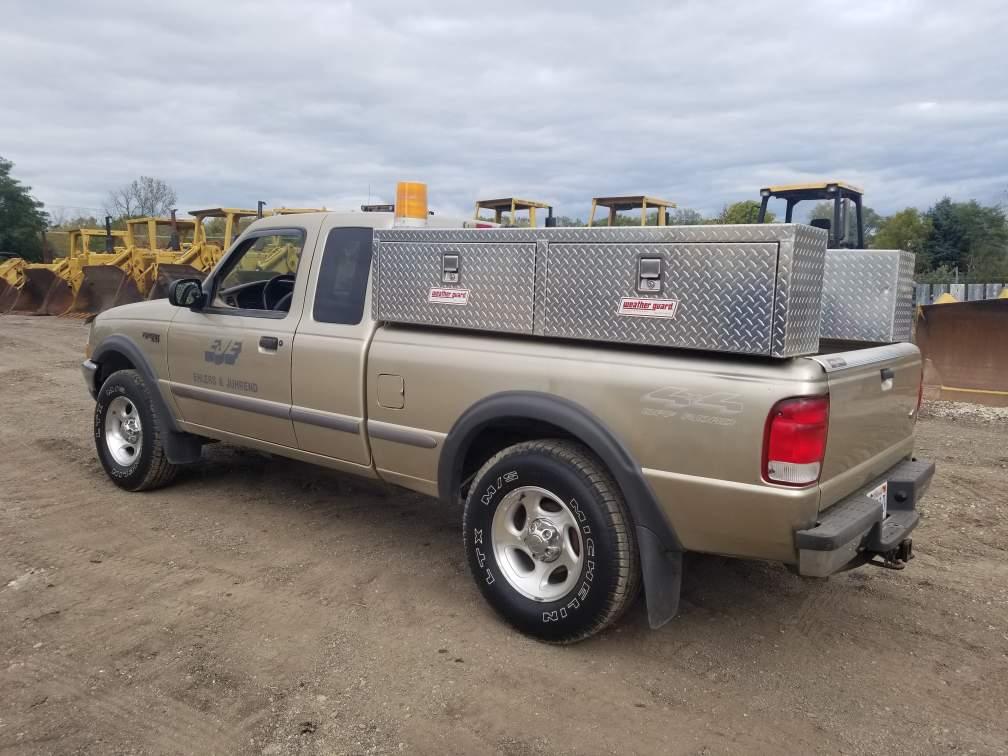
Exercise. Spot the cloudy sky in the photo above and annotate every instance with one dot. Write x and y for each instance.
(311, 103)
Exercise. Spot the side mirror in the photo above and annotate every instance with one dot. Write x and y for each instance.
(187, 292)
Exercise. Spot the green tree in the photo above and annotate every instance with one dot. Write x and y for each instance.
(685, 216)
(22, 219)
(968, 236)
(908, 229)
(746, 211)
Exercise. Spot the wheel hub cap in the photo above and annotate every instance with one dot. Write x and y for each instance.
(131, 429)
(536, 540)
(543, 540)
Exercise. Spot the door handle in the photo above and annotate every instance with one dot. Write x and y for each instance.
(269, 343)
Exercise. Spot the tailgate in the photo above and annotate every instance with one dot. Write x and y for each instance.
(873, 401)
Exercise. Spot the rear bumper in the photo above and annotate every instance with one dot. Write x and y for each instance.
(89, 370)
(853, 530)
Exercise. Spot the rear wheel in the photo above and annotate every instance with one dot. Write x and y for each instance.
(128, 436)
(550, 542)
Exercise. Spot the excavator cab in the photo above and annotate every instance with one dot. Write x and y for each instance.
(840, 193)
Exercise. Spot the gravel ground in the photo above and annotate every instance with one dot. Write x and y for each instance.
(265, 606)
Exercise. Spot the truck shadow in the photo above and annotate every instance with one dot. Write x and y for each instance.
(753, 597)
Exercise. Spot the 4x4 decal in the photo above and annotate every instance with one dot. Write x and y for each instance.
(223, 352)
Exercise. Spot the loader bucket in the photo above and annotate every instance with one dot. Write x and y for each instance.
(102, 287)
(8, 295)
(169, 273)
(965, 359)
(32, 295)
(58, 300)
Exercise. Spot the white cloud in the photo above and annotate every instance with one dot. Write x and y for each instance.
(312, 103)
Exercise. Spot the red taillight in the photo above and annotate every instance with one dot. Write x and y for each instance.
(795, 441)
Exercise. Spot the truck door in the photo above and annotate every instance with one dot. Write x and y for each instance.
(330, 350)
(230, 362)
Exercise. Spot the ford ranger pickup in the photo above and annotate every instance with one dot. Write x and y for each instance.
(586, 469)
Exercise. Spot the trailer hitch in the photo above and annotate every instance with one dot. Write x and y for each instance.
(895, 559)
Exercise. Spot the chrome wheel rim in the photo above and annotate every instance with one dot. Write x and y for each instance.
(537, 543)
(123, 431)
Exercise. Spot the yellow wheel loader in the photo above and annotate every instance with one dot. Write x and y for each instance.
(202, 255)
(38, 280)
(11, 279)
(125, 274)
(964, 359)
(65, 282)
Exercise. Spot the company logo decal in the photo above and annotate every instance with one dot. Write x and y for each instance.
(448, 296)
(223, 352)
(648, 308)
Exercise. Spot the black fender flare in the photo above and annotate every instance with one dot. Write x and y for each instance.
(180, 447)
(660, 549)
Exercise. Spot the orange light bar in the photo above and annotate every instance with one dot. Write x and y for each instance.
(411, 204)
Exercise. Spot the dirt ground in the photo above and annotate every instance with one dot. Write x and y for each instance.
(265, 606)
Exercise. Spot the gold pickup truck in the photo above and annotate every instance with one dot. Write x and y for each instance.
(586, 468)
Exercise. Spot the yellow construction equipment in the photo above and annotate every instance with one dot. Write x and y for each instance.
(66, 281)
(38, 279)
(125, 274)
(840, 193)
(964, 358)
(202, 255)
(511, 206)
(622, 204)
(11, 279)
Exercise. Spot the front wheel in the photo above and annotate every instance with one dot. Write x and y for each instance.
(128, 436)
(550, 542)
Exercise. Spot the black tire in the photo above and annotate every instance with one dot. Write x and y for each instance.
(151, 468)
(609, 581)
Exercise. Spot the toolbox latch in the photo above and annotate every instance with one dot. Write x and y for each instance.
(649, 274)
(450, 268)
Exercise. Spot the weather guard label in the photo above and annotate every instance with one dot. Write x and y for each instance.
(648, 308)
(448, 296)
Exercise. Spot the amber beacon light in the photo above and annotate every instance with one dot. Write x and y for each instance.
(411, 204)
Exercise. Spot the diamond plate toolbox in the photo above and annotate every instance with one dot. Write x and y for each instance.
(748, 289)
(868, 295)
(482, 286)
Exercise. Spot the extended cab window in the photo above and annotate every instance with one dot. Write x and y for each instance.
(260, 274)
(342, 280)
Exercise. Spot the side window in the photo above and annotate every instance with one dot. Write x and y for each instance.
(260, 275)
(343, 276)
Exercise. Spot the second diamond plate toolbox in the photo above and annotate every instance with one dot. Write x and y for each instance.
(748, 289)
(868, 295)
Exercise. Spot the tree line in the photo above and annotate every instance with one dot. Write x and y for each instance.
(964, 241)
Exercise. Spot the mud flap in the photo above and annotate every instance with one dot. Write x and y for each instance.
(662, 572)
